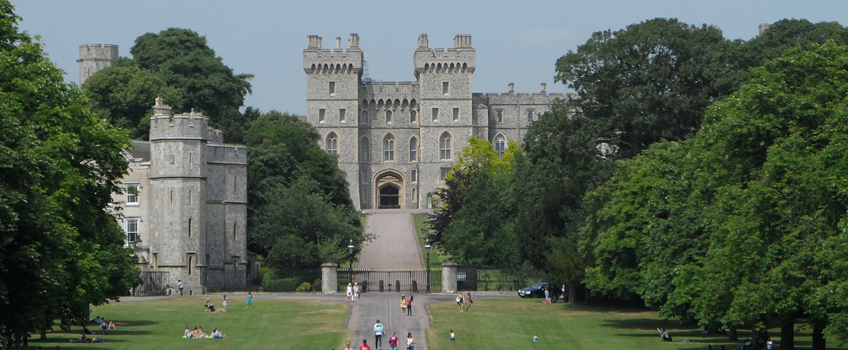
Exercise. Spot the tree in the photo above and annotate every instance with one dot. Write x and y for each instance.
(60, 250)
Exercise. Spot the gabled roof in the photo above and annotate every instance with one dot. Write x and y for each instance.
(140, 151)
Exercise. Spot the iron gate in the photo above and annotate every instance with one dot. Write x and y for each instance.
(152, 283)
(414, 281)
(466, 278)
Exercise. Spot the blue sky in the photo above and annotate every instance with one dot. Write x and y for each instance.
(516, 41)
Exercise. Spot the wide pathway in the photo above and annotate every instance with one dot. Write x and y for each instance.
(395, 245)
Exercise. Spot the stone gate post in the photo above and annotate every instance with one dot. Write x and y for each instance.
(449, 277)
(329, 278)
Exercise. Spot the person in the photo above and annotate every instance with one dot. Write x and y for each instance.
(664, 336)
(103, 325)
(349, 292)
(402, 304)
(563, 295)
(769, 344)
(364, 345)
(535, 338)
(249, 299)
(187, 333)
(453, 337)
(111, 326)
(180, 286)
(468, 301)
(195, 333)
(378, 335)
(97, 320)
(355, 291)
(410, 342)
(209, 306)
(217, 334)
(225, 303)
(393, 341)
(409, 305)
(547, 295)
(347, 346)
(459, 300)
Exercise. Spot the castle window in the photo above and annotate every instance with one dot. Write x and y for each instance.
(413, 175)
(171, 204)
(364, 151)
(132, 194)
(445, 147)
(332, 144)
(363, 117)
(342, 115)
(190, 262)
(435, 114)
(389, 148)
(530, 114)
(443, 173)
(132, 230)
(500, 145)
(445, 88)
(235, 231)
(413, 150)
(456, 114)
(413, 116)
(332, 88)
(189, 227)
(414, 195)
(499, 114)
(321, 113)
(388, 117)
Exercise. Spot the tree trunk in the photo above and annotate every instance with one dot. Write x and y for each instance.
(787, 335)
(818, 338)
(734, 336)
(43, 334)
(572, 292)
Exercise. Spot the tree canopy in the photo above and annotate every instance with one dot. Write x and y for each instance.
(60, 249)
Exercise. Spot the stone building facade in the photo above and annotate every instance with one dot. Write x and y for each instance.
(185, 204)
(94, 58)
(396, 141)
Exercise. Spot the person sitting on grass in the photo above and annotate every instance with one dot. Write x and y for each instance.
(195, 333)
(103, 325)
(217, 335)
(187, 333)
(209, 307)
(111, 326)
(664, 336)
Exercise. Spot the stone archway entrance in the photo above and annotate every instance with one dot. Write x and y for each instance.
(389, 191)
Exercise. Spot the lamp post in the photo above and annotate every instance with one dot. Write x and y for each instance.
(427, 249)
(350, 260)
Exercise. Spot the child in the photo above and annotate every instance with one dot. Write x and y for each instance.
(453, 336)
(535, 338)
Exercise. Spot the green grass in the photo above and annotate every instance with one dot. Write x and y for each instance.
(159, 324)
(511, 323)
(436, 257)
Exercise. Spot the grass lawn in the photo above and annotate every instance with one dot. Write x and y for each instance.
(436, 257)
(159, 324)
(511, 324)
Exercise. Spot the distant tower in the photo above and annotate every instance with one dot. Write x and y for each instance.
(94, 58)
(763, 28)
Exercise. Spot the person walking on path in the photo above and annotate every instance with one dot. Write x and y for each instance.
(409, 306)
(378, 335)
(356, 291)
(410, 341)
(468, 301)
(402, 304)
(347, 346)
(364, 345)
(393, 341)
(459, 300)
(249, 299)
(180, 286)
(349, 292)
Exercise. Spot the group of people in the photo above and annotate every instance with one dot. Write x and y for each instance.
(405, 305)
(199, 333)
(352, 292)
(100, 321)
(378, 340)
(225, 304)
(464, 301)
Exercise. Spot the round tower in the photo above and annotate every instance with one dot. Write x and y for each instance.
(178, 184)
(94, 58)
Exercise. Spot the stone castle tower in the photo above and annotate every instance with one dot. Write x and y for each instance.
(94, 58)
(396, 141)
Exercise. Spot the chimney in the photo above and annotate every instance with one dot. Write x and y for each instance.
(353, 42)
(423, 42)
(338, 43)
(544, 87)
(511, 87)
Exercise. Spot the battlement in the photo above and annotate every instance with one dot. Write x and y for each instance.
(390, 88)
(98, 52)
(461, 58)
(164, 125)
(317, 59)
(229, 154)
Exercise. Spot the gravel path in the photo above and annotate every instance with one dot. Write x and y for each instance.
(395, 246)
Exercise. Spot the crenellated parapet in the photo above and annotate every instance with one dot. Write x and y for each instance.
(462, 58)
(226, 154)
(94, 58)
(318, 60)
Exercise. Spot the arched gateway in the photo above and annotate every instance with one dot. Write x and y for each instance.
(389, 190)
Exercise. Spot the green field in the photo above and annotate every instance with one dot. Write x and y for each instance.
(511, 323)
(159, 324)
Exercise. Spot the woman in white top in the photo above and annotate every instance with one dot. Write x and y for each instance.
(410, 342)
(349, 292)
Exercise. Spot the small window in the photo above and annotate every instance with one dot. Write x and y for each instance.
(499, 114)
(414, 195)
(413, 116)
(413, 175)
(132, 194)
(500, 145)
(456, 114)
(235, 231)
(530, 115)
(443, 173)
(332, 88)
(363, 117)
(445, 147)
(364, 151)
(445, 88)
(435, 114)
(342, 115)
(389, 149)
(332, 144)
(321, 113)
(189, 227)
(388, 117)
(132, 230)
(413, 149)
(190, 263)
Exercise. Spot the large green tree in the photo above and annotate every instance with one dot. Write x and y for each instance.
(60, 250)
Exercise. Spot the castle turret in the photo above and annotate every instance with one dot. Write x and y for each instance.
(94, 58)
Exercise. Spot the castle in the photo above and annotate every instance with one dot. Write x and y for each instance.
(396, 141)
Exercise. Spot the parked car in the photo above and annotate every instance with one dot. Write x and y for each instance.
(536, 291)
